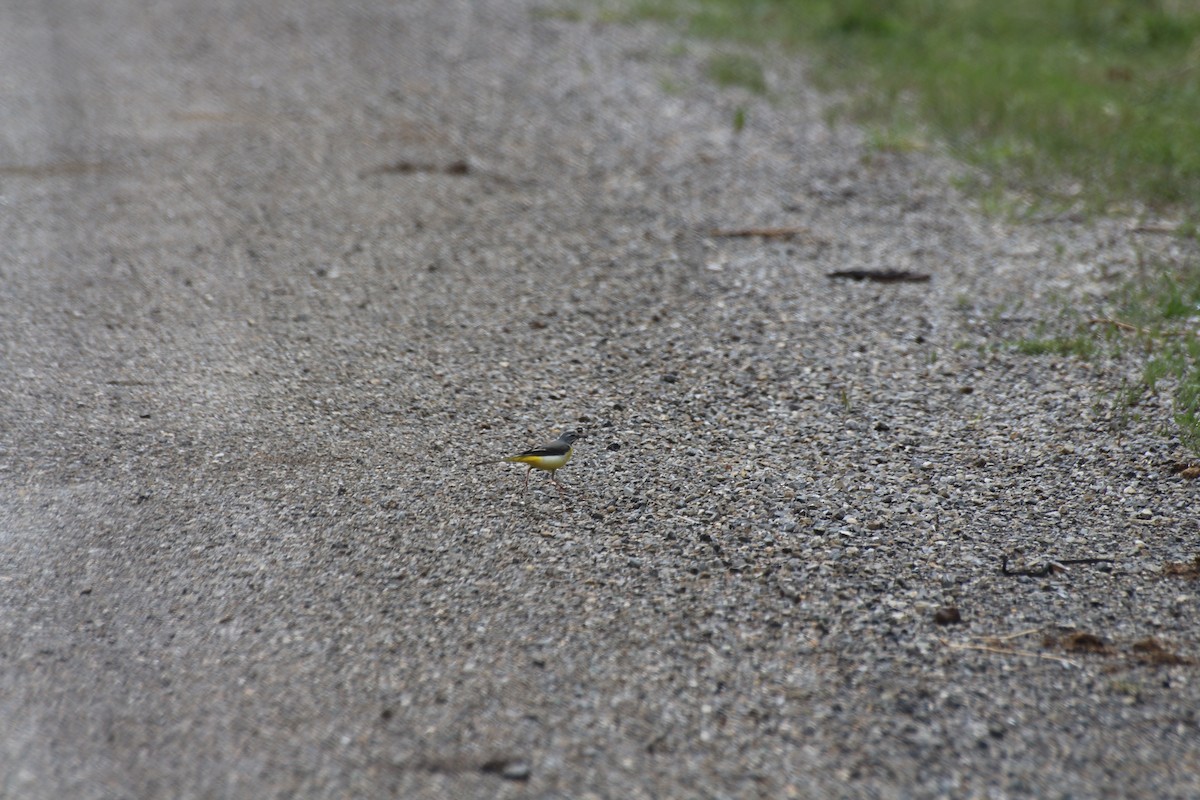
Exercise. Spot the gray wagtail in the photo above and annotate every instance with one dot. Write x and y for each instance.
(550, 457)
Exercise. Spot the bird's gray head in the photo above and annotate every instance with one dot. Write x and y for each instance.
(568, 437)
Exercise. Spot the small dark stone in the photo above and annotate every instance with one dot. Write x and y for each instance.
(947, 615)
(881, 275)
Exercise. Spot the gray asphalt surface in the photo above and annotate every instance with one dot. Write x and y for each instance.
(274, 275)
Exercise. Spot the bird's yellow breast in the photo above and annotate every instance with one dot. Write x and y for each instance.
(548, 463)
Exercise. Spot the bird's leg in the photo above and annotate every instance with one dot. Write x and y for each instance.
(527, 478)
(556, 483)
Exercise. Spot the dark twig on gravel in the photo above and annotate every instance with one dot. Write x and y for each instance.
(405, 167)
(881, 275)
(1059, 565)
(764, 233)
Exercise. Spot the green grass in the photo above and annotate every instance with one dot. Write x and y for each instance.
(739, 119)
(1087, 105)
(1081, 345)
(737, 70)
(1095, 102)
(1157, 319)
(1165, 308)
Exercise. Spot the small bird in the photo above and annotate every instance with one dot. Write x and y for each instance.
(550, 457)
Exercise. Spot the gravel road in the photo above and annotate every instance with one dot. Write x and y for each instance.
(274, 275)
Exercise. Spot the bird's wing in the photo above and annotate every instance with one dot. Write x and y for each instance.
(555, 448)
